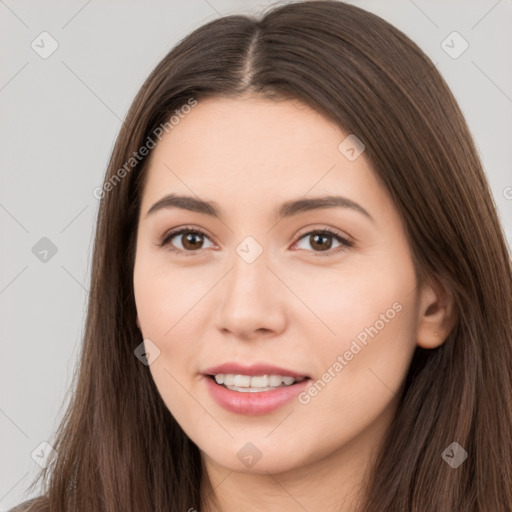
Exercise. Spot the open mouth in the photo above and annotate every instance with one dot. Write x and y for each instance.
(254, 384)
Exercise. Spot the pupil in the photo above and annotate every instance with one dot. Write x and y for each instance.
(318, 236)
(191, 239)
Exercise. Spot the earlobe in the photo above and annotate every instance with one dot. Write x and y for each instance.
(436, 315)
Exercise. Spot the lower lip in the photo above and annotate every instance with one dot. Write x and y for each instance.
(253, 403)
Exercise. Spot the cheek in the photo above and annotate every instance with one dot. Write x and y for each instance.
(168, 304)
(165, 299)
(361, 367)
(164, 320)
(341, 303)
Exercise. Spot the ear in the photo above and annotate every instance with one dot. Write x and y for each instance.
(436, 314)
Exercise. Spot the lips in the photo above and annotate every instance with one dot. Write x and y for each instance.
(253, 404)
(252, 370)
(240, 400)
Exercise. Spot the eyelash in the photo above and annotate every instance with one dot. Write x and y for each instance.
(346, 244)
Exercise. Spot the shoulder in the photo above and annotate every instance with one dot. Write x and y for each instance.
(33, 505)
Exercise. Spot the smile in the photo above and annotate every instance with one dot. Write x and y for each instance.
(250, 399)
(254, 383)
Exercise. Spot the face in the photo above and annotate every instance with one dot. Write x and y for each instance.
(252, 287)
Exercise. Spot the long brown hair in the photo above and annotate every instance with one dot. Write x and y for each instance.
(119, 448)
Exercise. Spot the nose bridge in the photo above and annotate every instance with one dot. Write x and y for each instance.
(248, 300)
(249, 270)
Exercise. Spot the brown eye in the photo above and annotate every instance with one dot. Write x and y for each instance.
(191, 240)
(186, 240)
(321, 241)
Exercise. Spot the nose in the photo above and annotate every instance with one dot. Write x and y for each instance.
(250, 300)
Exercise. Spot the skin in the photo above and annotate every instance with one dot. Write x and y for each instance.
(294, 306)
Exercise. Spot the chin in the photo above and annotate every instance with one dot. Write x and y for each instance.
(256, 458)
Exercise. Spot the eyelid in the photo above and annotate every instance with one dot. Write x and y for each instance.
(346, 240)
(327, 229)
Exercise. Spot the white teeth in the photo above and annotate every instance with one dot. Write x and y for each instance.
(275, 380)
(250, 383)
(242, 381)
(259, 381)
(229, 379)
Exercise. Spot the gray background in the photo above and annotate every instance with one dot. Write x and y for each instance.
(60, 116)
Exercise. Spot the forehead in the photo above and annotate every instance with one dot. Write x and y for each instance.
(249, 149)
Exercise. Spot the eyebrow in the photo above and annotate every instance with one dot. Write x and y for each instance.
(287, 209)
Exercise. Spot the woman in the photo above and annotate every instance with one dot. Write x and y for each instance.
(233, 357)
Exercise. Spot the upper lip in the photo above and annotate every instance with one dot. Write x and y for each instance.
(252, 369)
